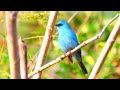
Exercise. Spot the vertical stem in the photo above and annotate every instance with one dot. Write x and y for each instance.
(106, 49)
(12, 44)
(23, 59)
(46, 42)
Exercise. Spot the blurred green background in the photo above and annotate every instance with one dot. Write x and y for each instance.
(31, 27)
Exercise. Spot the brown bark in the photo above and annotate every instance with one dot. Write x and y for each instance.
(12, 44)
(23, 59)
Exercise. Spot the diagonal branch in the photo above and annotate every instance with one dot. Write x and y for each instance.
(83, 23)
(73, 16)
(46, 42)
(108, 24)
(106, 49)
(2, 35)
(65, 55)
(72, 51)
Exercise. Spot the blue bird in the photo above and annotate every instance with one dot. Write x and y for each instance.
(67, 40)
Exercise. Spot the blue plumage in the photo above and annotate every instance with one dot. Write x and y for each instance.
(68, 41)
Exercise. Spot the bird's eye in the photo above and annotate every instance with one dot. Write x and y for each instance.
(60, 24)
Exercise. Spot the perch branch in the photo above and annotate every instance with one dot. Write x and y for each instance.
(23, 59)
(106, 49)
(12, 44)
(46, 42)
(72, 51)
(65, 55)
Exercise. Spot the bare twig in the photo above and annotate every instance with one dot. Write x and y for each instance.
(2, 35)
(108, 24)
(33, 37)
(106, 49)
(73, 16)
(46, 42)
(100, 19)
(32, 60)
(84, 22)
(23, 59)
(72, 51)
(69, 20)
(12, 44)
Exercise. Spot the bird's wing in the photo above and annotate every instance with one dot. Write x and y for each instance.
(69, 42)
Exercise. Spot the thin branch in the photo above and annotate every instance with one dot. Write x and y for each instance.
(69, 20)
(106, 49)
(12, 44)
(73, 16)
(100, 19)
(23, 59)
(31, 60)
(32, 37)
(2, 35)
(69, 52)
(84, 22)
(46, 42)
(1, 49)
(108, 24)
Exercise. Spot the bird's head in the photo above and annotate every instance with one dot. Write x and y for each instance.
(62, 24)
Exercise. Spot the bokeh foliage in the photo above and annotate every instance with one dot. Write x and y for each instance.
(32, 26)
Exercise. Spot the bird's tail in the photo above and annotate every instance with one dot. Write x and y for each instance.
(82, 67)
(70, 59)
